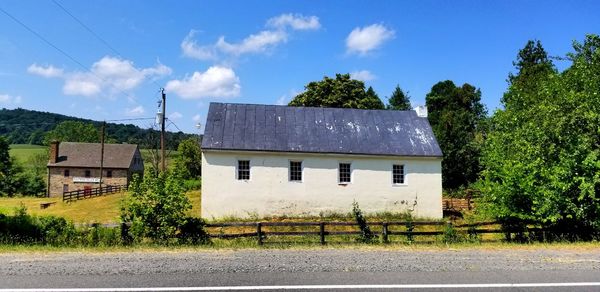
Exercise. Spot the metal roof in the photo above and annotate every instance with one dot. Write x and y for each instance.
(251, 127)
(71, 154)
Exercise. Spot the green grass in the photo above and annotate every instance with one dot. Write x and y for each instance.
(22, 152)
(105, 209)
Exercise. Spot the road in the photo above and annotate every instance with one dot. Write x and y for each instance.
(368, 269)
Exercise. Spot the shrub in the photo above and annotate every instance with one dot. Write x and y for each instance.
(192, 184)
(366, 234)
(192, 232)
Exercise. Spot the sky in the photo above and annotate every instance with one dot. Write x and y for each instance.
(108, 60)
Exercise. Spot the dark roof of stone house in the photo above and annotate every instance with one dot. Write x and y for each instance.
(250, 127)
(72, 154)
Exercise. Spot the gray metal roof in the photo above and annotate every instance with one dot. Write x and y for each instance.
(274, 128)
(71, 154)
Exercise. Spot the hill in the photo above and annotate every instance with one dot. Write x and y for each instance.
(22, 126)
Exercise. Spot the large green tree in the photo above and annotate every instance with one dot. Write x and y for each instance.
(6, 167)
(542, 156)
(189, 162)
(456, 115)
(341, 91)
(399, 100)
(73, 131)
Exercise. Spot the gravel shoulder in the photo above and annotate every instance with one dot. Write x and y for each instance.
(298, 260)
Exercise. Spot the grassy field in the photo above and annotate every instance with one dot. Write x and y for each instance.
(22, 152)
(103, 209)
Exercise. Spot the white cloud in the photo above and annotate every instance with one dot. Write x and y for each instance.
(282, 100)
(9, 101)
(107, 74)
(363, 40)
(135, 112)
(217, 81)
(255, 43)
(175, 116)
(363, 75)
(191, 49)
(196, 118)
(295, 21)
(47, 71)
(261, 42)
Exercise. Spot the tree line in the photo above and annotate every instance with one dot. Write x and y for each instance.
(22, 126)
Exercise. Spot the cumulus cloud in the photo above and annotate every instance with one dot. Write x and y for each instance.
(217, 81)
(366, 39)
(278, 32)
(107, 74)
(196, 118)
(295, 21)
(9, 100)
(190, 48)
(363, 75)
(135, 112)
(45, 71)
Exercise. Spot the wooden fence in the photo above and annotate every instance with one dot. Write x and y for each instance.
(472, 230)
(90, 193)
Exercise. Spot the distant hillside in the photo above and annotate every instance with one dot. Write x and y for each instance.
(23, 126)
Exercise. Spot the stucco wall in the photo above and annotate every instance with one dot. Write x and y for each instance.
(269, 192)
(57, 179)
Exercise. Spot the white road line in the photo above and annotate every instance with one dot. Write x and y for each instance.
(313, 287)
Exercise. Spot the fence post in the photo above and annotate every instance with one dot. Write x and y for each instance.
(322, 232)
(409, 230)
(384, 232)
(259, 233)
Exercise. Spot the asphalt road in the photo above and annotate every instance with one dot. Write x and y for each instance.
(324, 269)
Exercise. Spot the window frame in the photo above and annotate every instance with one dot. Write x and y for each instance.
(403, 183)
(301, 171)
(237, 170)
(66, 173)
(339, 173)
(109, 173)
(87, 173)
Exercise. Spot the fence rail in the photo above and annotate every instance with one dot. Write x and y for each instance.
(471, 229)
(90, 193)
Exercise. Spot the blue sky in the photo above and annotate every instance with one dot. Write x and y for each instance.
(263, 51)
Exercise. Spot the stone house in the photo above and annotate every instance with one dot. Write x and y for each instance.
(76, 166)
(262, 160)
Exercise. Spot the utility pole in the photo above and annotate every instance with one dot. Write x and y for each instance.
(162, 131)
(102, 153)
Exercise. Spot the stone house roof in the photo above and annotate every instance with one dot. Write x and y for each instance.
(72, 154)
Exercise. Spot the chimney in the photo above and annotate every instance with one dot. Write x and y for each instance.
(54, 151)
(421, 111)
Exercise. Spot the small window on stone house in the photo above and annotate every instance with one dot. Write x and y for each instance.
(67, 173)
(109, 173)
(88, 173)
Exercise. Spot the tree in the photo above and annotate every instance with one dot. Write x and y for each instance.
(6, 169)
(542, 161)
(189, 161)
(341, 92)
(399, 100)
(73, 131)
(456, 115)
(157, 206)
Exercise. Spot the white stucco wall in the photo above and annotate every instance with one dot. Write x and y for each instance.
(269, 191)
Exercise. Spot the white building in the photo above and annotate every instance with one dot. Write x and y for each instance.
(260, 160)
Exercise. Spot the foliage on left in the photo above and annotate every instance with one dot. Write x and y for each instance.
(158, 209)
(14, 180)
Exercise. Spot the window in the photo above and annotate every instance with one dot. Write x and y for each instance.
(295, 170)
(398, 174)
(109, 173)
(87, 173)
(67, 173)
(243, 170)
(344, 173)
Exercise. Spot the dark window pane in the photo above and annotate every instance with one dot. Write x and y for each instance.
(344, 172)
(398, 174)
(295, 170)
(87, 173)
(243, 170)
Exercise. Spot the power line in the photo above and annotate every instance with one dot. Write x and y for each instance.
(61, 51)
(173, 123)
(95, 35)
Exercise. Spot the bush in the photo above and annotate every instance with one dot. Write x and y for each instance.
(192, 232)
(366, 235)
(192, 184)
